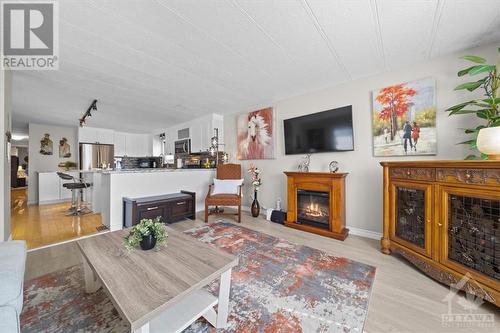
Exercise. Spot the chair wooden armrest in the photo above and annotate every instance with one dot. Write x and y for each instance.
(210, 188)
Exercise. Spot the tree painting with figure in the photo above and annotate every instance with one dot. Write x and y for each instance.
(396, 102)
(404, 119)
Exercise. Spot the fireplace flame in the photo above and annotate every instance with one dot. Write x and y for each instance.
(314, 210)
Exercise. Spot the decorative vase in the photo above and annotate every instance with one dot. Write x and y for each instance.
(148, 242)
(255, 206)
(488, 142)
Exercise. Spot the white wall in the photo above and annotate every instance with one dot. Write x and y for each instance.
(5, 126)
(44, 163)
(364, 182)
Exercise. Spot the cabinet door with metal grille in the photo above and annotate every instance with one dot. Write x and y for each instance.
(412, 215)
(470, 232)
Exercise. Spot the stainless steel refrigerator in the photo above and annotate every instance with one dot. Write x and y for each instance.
(95, 156)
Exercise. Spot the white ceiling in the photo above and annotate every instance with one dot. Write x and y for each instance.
(153, 63)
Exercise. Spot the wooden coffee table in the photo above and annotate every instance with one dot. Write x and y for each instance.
(159, 291)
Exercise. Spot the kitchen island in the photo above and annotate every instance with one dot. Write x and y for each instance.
(113, 185)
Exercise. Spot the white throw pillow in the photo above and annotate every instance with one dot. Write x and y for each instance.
(226, 186)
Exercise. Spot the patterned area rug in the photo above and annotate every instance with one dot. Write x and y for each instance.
(278, 286)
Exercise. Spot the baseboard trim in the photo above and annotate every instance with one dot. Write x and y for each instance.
(51, 202)
(364, 233)
(352, 230)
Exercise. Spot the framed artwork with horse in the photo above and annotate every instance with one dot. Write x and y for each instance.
(256, 135)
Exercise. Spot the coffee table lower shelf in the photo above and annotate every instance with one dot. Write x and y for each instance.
(181, 315)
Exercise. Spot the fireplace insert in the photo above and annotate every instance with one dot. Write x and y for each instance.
(313, 208)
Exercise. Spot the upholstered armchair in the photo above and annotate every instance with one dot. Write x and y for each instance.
(225, 172)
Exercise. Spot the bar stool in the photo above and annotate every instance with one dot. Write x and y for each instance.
(77, 206)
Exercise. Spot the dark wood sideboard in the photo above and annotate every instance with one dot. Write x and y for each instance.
(444, 217)
(169, 207)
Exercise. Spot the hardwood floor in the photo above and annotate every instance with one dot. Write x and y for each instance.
(402, 300)
(47, 224)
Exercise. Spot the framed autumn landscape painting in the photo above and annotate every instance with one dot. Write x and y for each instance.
(404, 119)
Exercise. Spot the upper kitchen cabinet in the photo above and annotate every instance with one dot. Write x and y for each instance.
(120, 144)
(138, 145)
(203, 129)
(199, 131)
(95, 135)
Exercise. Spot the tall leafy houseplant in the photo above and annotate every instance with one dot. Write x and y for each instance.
(485, 108)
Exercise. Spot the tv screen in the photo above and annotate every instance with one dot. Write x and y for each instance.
(320, 132)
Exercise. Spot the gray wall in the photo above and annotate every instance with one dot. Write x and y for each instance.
(364, 183)
(46, 163)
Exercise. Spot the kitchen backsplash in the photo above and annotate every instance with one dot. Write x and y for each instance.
(133, 162)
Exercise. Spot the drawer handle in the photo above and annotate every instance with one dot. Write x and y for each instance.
(153, 208)
(440, 224)
(408, 173)
(468, 176)
(181, 203)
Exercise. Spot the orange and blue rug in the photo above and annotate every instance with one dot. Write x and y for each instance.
(278, 286)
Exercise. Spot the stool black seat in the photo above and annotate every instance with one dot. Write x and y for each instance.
(76, 188)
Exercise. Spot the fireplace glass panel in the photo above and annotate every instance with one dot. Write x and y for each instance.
(474, 233)
(410, 215)
(313, 208)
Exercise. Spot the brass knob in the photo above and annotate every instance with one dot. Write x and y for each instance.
(468, 176)
(408, 173)
(440, 224)
(429, 221)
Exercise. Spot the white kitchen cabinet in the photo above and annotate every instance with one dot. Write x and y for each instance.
(120, 141)
(95, 135)
(105, 136)
(50, 187)
(201, 131)
(138, 145)
(196, 136)
(86, 135)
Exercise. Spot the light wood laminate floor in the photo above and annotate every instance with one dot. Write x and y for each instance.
(47, 224)
(402, 300)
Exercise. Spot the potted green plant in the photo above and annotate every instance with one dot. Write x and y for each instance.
(148, 234)
(486, 135)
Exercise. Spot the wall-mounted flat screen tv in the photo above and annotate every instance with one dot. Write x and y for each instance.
(326, 131)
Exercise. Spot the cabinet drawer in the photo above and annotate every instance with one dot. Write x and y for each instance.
(466, 176)
(150, 212)
(428, 174)
(181, 208)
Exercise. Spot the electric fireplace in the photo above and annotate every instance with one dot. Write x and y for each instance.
(316, 203)
(313, 208)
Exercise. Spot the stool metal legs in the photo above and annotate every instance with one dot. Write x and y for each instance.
(77, 206)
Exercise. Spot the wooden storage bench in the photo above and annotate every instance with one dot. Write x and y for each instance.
(169, 207)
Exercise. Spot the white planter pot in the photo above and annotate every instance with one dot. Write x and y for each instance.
(488, 142)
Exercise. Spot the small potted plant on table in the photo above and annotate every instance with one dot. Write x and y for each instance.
(148, 234)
